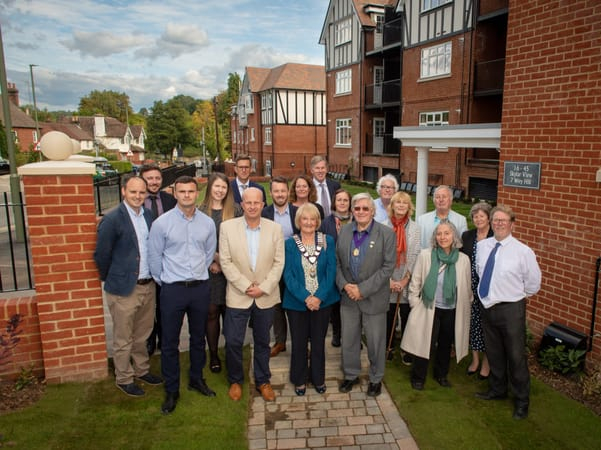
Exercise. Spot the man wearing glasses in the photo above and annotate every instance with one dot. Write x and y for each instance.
(366, 256)
(242, 180)
(508, 274)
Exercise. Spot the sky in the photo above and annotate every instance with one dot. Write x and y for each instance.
(150, 50)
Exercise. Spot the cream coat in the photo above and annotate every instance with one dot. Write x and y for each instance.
(235, 263)
(417, 338)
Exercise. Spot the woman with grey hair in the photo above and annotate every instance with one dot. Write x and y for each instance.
(440, 297)
(386, 187)
(480, 214)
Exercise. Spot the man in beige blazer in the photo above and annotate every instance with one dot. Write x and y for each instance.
(251, 252)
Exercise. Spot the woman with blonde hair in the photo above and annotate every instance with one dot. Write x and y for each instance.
(219, 205)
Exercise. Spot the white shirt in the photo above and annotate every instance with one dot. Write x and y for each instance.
(141, 227)
(516, 273)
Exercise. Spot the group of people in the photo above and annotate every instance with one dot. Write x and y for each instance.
(315, 256)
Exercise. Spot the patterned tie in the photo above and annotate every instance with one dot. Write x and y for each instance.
(154, 207)
(325, 201)
(487, 274)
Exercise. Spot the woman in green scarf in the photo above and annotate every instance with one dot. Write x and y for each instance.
(440, 297)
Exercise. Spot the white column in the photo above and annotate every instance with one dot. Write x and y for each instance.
(421, 195)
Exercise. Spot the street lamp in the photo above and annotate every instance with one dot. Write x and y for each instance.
(35, 105)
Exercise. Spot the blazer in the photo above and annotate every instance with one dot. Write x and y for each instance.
(235, 262)
(269, 213)
(236, 191)
(375, 272)
(167, 200)
(418, 332)
(296, 293)
(117, 254)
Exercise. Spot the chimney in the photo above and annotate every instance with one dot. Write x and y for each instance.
(13, 93)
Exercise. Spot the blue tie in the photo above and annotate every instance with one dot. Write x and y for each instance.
(484, 286)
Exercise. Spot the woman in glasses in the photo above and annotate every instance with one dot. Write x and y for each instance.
(440, 297)
(365, 252)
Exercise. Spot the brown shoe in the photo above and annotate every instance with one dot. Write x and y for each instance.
(267, 392)
(277, 348)
(235, 392)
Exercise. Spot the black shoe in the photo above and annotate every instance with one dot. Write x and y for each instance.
(444, 382)
(347, 385)
(201, 386)
(131, 389)
(406, 358)
(482, 377)
(300, 390)
(170, 402)
(151, 379)
(320, 389)
(520, 412)
(374, 389)
(151, 346)
(417, 385)
(215, 365)
(335, 341)
(490, 395)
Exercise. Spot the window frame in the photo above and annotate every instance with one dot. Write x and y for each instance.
(434, 122)
(344, 129)
(267, 135)
(432, 56)
(344, 82)
(428, 5)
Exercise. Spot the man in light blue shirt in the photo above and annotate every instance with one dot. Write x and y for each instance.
(443, 199)
(181, 247)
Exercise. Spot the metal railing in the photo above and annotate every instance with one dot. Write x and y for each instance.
(15, 260)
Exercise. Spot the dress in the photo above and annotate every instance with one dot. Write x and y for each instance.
(476, 332)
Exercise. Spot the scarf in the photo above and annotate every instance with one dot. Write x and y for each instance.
(449, 283)
(340, 220)
(401, 239)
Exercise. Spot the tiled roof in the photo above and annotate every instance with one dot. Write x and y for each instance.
(70, 129)
(256, 77)
(17, 117)
(365, 18)
(136, 130)
(112, 127)
(303, 77)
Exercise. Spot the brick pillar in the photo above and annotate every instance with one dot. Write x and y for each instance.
(62, 228)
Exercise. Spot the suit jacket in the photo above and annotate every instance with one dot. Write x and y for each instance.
(418, 332)
(332, 186)
(235, 263)
(375, 272)
(117, 254)
(167, 200)
(269, 213)
(236, 191)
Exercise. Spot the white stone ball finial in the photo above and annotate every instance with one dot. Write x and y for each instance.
(56, 146)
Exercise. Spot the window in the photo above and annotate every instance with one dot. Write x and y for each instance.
(342, 31)
(431, 4)
(343, 132)
(436, 60)
(343, 81)
(249, 105)
(234, 137)
(433, 119)
(252, 135)
(267, 135)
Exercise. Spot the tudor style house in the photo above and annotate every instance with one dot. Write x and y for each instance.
(280, 118)
(413, 63)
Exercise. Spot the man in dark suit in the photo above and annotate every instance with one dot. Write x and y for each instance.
(242, 180)
(157, 202)
(284, 213)
(325, 188)
(121, 258)
(366, 256)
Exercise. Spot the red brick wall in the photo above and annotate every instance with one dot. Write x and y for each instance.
(552, 115)
(28, 352)
(62, 230)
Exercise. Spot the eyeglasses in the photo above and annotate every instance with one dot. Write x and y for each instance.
(361, 208)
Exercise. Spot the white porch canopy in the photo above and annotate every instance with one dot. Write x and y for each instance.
(440, 138)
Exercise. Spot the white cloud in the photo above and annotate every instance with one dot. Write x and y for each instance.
(175, 41)
(102, 43)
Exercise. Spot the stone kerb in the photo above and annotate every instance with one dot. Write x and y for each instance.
(62, 229)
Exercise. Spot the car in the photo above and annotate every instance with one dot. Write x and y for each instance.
(4, 166)
(104, 171)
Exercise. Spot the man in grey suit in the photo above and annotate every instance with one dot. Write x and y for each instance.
(365, 253)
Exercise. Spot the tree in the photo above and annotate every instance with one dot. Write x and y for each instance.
(169, 126)
(108, 103)
(204, 118)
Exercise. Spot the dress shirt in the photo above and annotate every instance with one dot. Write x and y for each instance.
(381, 213)
(284, 220)
(355, 262)
(427, 222)
(516, 274)
(148, 203)
(141, 227)
(242, 186)
(181, 248)
(253, 236)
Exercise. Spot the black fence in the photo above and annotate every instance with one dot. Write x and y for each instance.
(15, 259)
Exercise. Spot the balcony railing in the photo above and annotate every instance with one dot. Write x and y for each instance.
(387, 93)
(389, 36)
(489, 77)
(381, 145)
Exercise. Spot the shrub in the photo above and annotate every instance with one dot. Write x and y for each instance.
(561, 360)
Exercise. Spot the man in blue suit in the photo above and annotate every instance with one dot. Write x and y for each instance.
(122, 260)
(242, 180)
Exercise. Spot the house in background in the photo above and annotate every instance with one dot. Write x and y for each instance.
(85, 139)
(280, 118)
(413, 63)
(23, 126)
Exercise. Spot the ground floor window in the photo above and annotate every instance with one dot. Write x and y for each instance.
(343, 132)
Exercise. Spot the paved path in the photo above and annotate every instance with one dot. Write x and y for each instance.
(333, 420)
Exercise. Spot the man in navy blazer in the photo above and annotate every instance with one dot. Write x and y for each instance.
(121, 258)
(284, 213)
(242, 180)
(319, 170)
(158, 202)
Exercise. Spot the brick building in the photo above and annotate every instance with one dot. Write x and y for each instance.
(280, 118)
